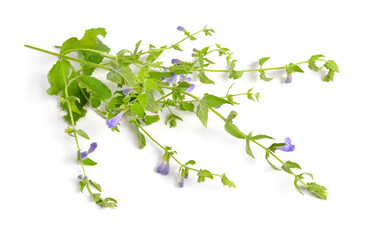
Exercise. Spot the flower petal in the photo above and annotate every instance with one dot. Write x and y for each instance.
(114, 121)
(92, 147)
(191, 88)
(83, 155)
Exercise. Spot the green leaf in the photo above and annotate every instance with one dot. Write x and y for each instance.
(318, 190)
(177, 47)
(151, 84)
(82, 185)
(187, 106)
(136, 48)
(214, 101)
(291, 68)
(202, 174)
(95, 101)
(96, 185)
(150, 119)
(82, 134)
(263, 60)
(271, 165)
(312, 61)
(226, 182)
(191, 162)
(172, 120)
(57, 76)
(203, 78)
(137, 109)
(234, 131)
(296, 179)
(329, 77)
(152, 105)
(236, 74)
(263, 76)
(260, 136)
(331, 65)
(75, 90)
(143, 99)
(92, 57)
(202, 112)
(95, 87)
(141, 138)
(248, 149)
(68, 130)
(88, 162)
(288, 165)
(87, 41)
(154, 54)
(122, 75)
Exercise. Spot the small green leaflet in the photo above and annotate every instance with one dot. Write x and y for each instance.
(226, 182)
(191, 162)
(214, 101)
(299, 177)
(57, 76)
(318, 190)
(291, 68)
(202, 112)
(203, 78)
(262, 75)
(92, 57)
(263, 60)
(271, 165)
(187, 106)
(329, 77)
(137, 109)
(202, 174)
(96, 87)
(82, 185)
(172, 120)
(260, 136)
(177, 47)
(122, 75)
(152, 105)
(149, 119)
(151, 84)
(312, 61)
(82, 134)
(88, 162)
(331, 65)
(96, 185)
(248, 149)
(288, 165)
(95, 101)
(234, 74)
(87, 41)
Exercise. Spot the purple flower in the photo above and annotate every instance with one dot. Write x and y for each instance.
(163, 168)
(188, 79)
(176, 61)
(172, 79)
(114, 121)
(288, 147)
(126, 91)
(181, 184)
(180, 28)
(91, 149)
(289, 79)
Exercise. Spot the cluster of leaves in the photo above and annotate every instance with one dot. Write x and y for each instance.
(142, 95)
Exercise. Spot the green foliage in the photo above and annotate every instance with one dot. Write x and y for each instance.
(203, 174)
(95, 185)
(226, 182)
(92, 57)
(138, 109)
(262, 75)
(318, 190)
(291, 68)
(88, 162)
(122, 76)
(150, 119)
(57, 76)
(171, 120)
(82, 134)
(87, 41)
(263, 60)
(151, 105)
(97, 88)
(260, 136)
(214, 101)
(288, 165)
(202, 112)
(312, 65)
(232, 73)
(204, 79)
(248, 149)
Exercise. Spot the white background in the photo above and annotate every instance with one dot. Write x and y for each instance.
(336, 127)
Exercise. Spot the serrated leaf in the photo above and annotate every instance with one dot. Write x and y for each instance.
(214, 101)
(248, 149)
(122, 75)
(331, 65)
(151, 84)
(204, 79)
(318, 190)
(260, 136)
(262, 75)
(95, 87)
(88, 162)
(82, 134)
(96, 185)
(202, 174)
(263, 60)
(226, 182)
(57, 76)
(312, 61)
(92, 57)
(150, 119)
(202, 112)
(87, 41)
(187, 106)
(137, 109)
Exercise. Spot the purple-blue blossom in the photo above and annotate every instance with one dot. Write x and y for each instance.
(163, 168)
(126, 91)
(288, 147)
(289, 79)
(91, 149)
(176, 61)
(188, 79)
(180, 28)
(172, 79)
(114, 121)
